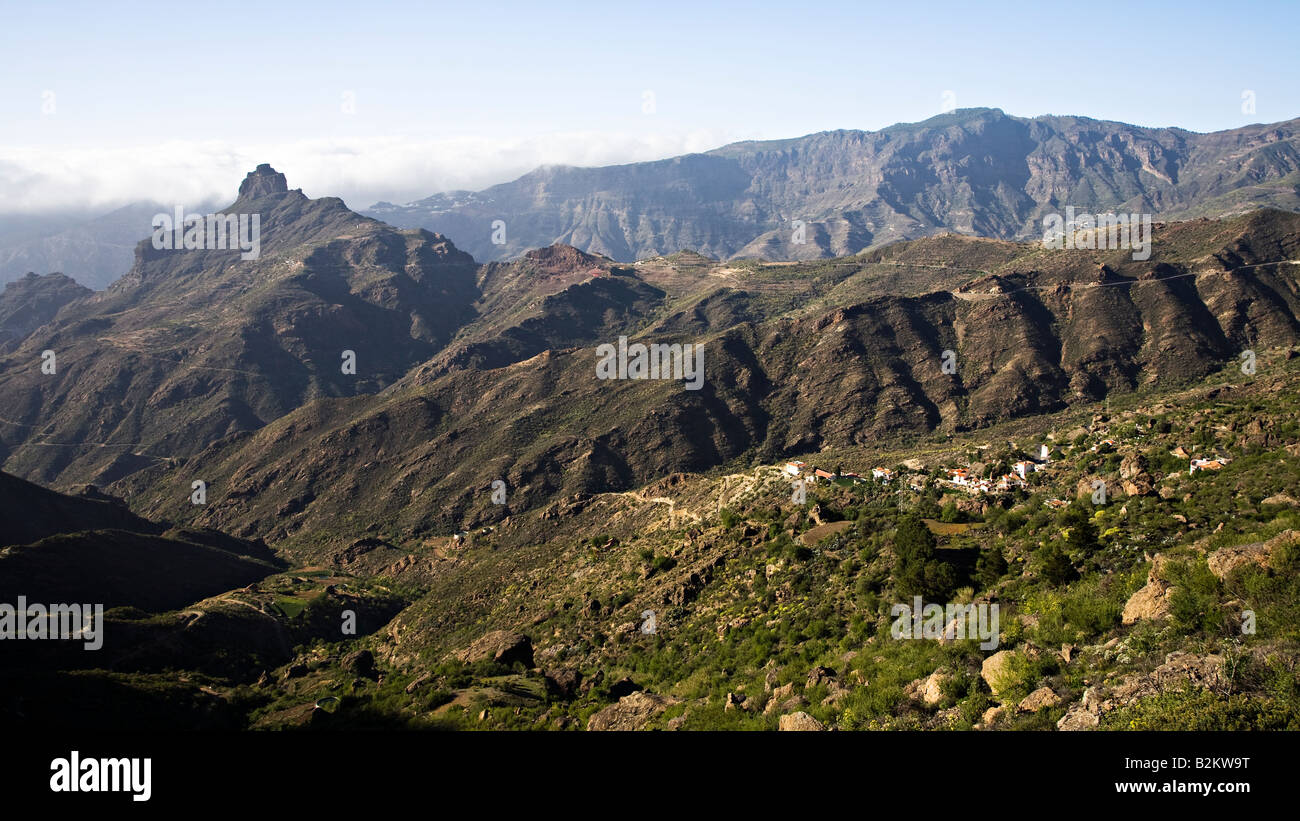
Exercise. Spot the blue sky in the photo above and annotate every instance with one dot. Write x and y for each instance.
(401, 99)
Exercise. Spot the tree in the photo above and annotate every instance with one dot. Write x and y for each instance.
(990, 567)
(950, 513)
(1055, 565)
(1083, 536)
(918, 572)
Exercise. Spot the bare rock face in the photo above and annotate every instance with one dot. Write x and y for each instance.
(800, 722)
(501, 646)
(631, 712)
(261, 182)
(1152, 601)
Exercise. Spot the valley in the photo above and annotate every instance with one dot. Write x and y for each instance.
(470, 530)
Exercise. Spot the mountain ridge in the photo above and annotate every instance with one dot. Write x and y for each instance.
(976, 171)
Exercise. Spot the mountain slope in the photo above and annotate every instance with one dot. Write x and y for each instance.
(192, 345)
(58, 548)
(1036, 332)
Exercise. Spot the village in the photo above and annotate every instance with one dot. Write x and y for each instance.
(969, 477)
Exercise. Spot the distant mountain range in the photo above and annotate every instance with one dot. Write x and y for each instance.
(972, 171)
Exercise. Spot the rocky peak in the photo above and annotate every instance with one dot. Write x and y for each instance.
(262, 181)
(561, 258)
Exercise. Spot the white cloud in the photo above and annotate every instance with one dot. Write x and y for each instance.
(361, 171)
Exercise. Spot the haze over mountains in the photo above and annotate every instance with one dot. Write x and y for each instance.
(973, 171)
(93, 250)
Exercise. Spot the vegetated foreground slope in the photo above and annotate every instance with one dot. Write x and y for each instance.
(720, 602)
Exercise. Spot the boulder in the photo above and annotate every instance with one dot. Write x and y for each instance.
(631, 712)
(1037, 700)
(563, 684)
(819, 675)
(991, 717)
(1132, 466)
(1281, 499)
(1138, 486)
(800, 722)
(502, 646)
(361, 663)
(995, 668)
(928, 690)
(1078, 719)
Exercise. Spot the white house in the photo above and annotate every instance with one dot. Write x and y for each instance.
(1023, 469)
(794, 468)
(883, 474)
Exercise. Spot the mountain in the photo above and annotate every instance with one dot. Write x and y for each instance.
(973, 171)
(798, 358)
(192, 345)
(28, 303)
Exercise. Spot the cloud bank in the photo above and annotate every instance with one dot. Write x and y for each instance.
(362, 171)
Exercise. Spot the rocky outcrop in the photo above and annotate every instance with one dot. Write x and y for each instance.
(1225, 560)
(928, 690)
(261, 182)
(1152, 601)
(1179, 670)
